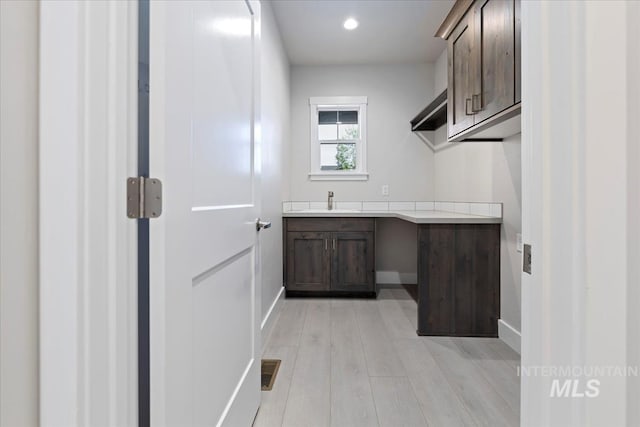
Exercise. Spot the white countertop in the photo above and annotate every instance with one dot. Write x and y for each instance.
(416, 217)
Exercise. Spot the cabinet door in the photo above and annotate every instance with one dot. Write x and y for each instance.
(495, 84)
(352, 261)
(308, 261)
(461, 71)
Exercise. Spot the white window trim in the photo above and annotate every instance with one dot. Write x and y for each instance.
(339, 102)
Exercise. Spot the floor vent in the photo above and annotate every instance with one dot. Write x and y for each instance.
(269, 371)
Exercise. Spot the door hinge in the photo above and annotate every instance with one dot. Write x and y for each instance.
(144, 197)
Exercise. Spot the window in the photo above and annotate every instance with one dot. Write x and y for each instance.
(338, 138)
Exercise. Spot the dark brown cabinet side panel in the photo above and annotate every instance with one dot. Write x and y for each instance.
(353, 260)
(307, 261)
(494, 87)
(463, 292)
(284, 251)
(486, 280)
(436, 267)
(459, 280)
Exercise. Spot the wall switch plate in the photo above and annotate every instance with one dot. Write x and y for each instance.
(519, 242)
(385, 190)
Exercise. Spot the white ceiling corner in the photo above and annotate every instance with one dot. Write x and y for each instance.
(390, 31)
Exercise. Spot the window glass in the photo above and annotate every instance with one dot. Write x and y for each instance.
(328, 159)
(348, 131)
(348, 117)
(338, 125)
(346, 156)
(327, 117)
(341, 156)
(327, 132)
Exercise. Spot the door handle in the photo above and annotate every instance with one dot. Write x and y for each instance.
(466, 107)
(326, 245)
(262, 224)
(334, 244)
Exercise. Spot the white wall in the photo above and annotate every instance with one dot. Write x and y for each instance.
(19, 213)
(395, 157)
(275, 159)
(441, 77)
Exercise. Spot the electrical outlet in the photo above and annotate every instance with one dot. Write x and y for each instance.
(385, 190)
(519, 242)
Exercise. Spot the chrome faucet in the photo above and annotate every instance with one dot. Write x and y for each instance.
(330, 201)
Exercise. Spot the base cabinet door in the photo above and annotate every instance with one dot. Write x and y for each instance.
(308, 261)
(329, 256)
(352, 262)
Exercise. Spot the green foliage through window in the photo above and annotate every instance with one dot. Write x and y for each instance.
(350, 133)
(346, 156)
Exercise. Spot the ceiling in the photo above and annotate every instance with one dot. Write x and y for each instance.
(390, 31)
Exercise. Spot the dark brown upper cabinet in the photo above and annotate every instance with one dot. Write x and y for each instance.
(330, 256)
(483, 67)
(461, 76)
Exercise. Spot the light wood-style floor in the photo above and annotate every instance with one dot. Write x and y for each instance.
(351, 362)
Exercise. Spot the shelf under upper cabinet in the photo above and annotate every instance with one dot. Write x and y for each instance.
(433, 116)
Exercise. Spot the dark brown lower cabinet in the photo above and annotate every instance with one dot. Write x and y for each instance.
(330, 256)
(459, 279)
(352, 262)
(308, 260)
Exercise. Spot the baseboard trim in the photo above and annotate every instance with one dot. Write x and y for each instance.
(509, 335)
(396, 278)
(269, 319)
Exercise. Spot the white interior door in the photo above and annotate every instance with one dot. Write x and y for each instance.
(204, 324)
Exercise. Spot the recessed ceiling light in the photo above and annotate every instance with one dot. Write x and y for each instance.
(350, 24)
